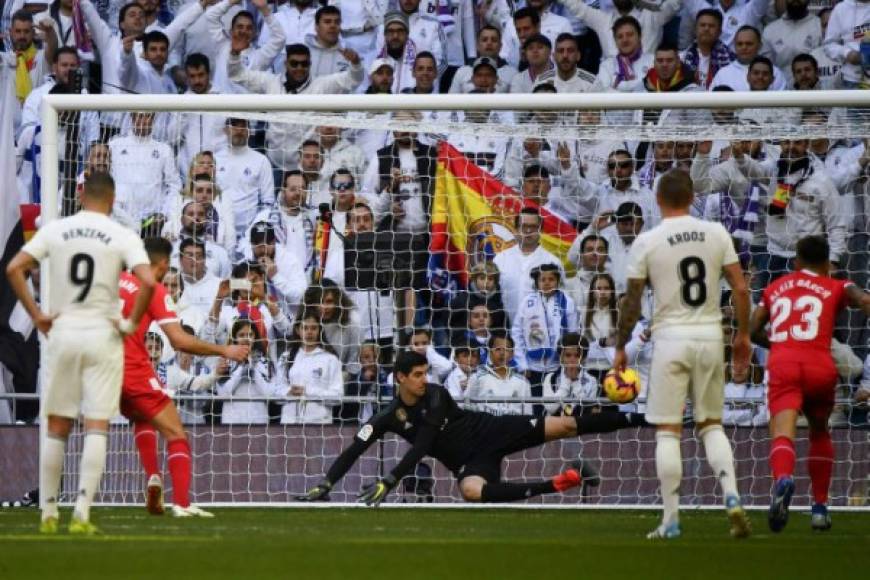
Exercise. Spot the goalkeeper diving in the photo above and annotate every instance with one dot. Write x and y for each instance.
(471, 444)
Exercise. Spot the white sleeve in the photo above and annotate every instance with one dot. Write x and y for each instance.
(730, 256)
(100, 31)
(182, 22)
(214, 25)
(263, 57)
(134, 251)
(637, 266)
(37, 247)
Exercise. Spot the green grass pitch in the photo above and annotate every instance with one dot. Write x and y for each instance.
(242, 543)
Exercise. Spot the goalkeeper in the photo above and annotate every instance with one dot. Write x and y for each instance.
(471, 444)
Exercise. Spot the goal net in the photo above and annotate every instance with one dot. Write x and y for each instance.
(410, 223)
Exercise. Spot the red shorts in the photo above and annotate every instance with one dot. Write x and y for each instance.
(142, 399)
(806, 384)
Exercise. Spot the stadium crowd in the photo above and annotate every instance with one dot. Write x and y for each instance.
(244, 200)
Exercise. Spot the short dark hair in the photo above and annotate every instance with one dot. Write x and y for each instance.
(538, 270)
(341, 171)
(596, 238)
(406, 360)
(311, 143)
(761, 60)
(527, 12)
(99, 185)
(804, 57)
(324, 11)
(536, 170)
(425, 54)
(422, 330)
(289, 174)
(489, 27)
(123, 12)
(675, 188)
(527, 211)
(813, 250)
(22, 16)
(155, 36)
(667, 46)
(195, 242)
(197, 60)
(712, 13)
(242, 14)
(746, 27)
(242, 269)
(157, 248)
(65, 50)
(573, 339)
(567, 36)
(499, 335)
(626, 20)
(297, 49)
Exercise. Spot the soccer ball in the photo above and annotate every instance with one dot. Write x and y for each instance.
(623, 388)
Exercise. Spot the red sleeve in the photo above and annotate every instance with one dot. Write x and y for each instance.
(162, 308)
(842, 300)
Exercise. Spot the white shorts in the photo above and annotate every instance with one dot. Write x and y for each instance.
(84, 370)
(682, 368)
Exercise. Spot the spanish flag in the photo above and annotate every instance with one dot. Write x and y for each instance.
(473, 217)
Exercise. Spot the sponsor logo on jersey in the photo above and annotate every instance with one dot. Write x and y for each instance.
(155, 154)
(401, 415)
(365, 433)
(168, 303)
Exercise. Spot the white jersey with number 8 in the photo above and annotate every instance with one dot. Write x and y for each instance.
(87, 252)
(683, 259)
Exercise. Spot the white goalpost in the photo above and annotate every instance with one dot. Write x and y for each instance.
(270, 463)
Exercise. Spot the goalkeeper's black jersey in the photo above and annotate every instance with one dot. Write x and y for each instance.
(435, 426)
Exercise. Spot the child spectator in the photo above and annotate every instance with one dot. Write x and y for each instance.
(571, 383)
(467, 358)
(498, 380)
(251, 378)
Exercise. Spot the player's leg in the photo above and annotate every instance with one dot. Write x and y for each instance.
(51, 469)
(489, 489)
(178, 459)
(784, 399)
(572, 426)
(708, 401)
(140, 400)
(91, 466)
(666, 398)
(818, 404)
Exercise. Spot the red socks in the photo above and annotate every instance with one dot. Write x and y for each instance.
(146, 441)
(179, 462)
(820, 464)
(782, 457)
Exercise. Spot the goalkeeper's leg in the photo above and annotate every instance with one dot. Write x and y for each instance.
(480, 482)
(563, 427)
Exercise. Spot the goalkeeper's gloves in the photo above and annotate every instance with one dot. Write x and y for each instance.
(374, 494)
(319, 492)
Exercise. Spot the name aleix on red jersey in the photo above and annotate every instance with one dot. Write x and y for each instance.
(790, 284)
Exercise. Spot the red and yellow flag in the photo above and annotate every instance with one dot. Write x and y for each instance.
(473, 217)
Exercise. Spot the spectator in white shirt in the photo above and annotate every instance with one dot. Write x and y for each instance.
(516, 263)
(398, 50)
(747, 45)
(145, 173)
(599, 323)
(200, 287)
(311, 166)
(197, 132)
(66, 62)
(325, 43)
(760, 78)
(497, 380)
(337, 151)
(251, 378)
(309, 369)
(194, 222)
(652, 20)
(566, 77)
(625, 71)
(620, 229)
(796, 32)
(244, 176)
(849, 21)
(708, 54)
(283, 270)
(623, 185)
(340, 320)
(467, 359)
(829, 68)
(242, 31)
(359, 24)
(589, 254)
(537, 50)
(424, 31)
(570, 383)
(736, 15)
(32, 61)
(147, 75)
(296, 19)
(488, 46)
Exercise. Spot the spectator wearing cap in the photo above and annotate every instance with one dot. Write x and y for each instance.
(536, 49)
(284, 272)
(747, 45)
(708, 53)
(400, 179)
(325, 43)
(652, 19)
(517, 262)
(398, 49)
(589, 255)
(244, 176)
(381, 74)
(484, 77)
(194, 222)
(620, 229)
(291, 220)
(489, 46)
(242, 30)
(624, 185)
(283, 139)
(424, 32)
(625, 70)
(565, 76)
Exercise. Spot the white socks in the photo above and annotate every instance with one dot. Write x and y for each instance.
(720, 457)
(91, 471)
(50, 471)
(669, 468)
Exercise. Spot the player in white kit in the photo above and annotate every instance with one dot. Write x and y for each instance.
(84, 350)
(683, 259)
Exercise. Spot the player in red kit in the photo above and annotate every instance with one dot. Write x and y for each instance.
(143, 398)
(801, 309)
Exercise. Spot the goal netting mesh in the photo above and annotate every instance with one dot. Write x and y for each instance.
(381, 224)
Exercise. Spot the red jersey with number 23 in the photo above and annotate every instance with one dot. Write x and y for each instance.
(137, 363)
(803, 308)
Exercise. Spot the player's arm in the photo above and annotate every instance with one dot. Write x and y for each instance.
(188, 343)
(741, 351)
(143, 297)
(629, 314)
(858, 298)
(760, 317)
(365, 437)
(375, 494)
(16, 273)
